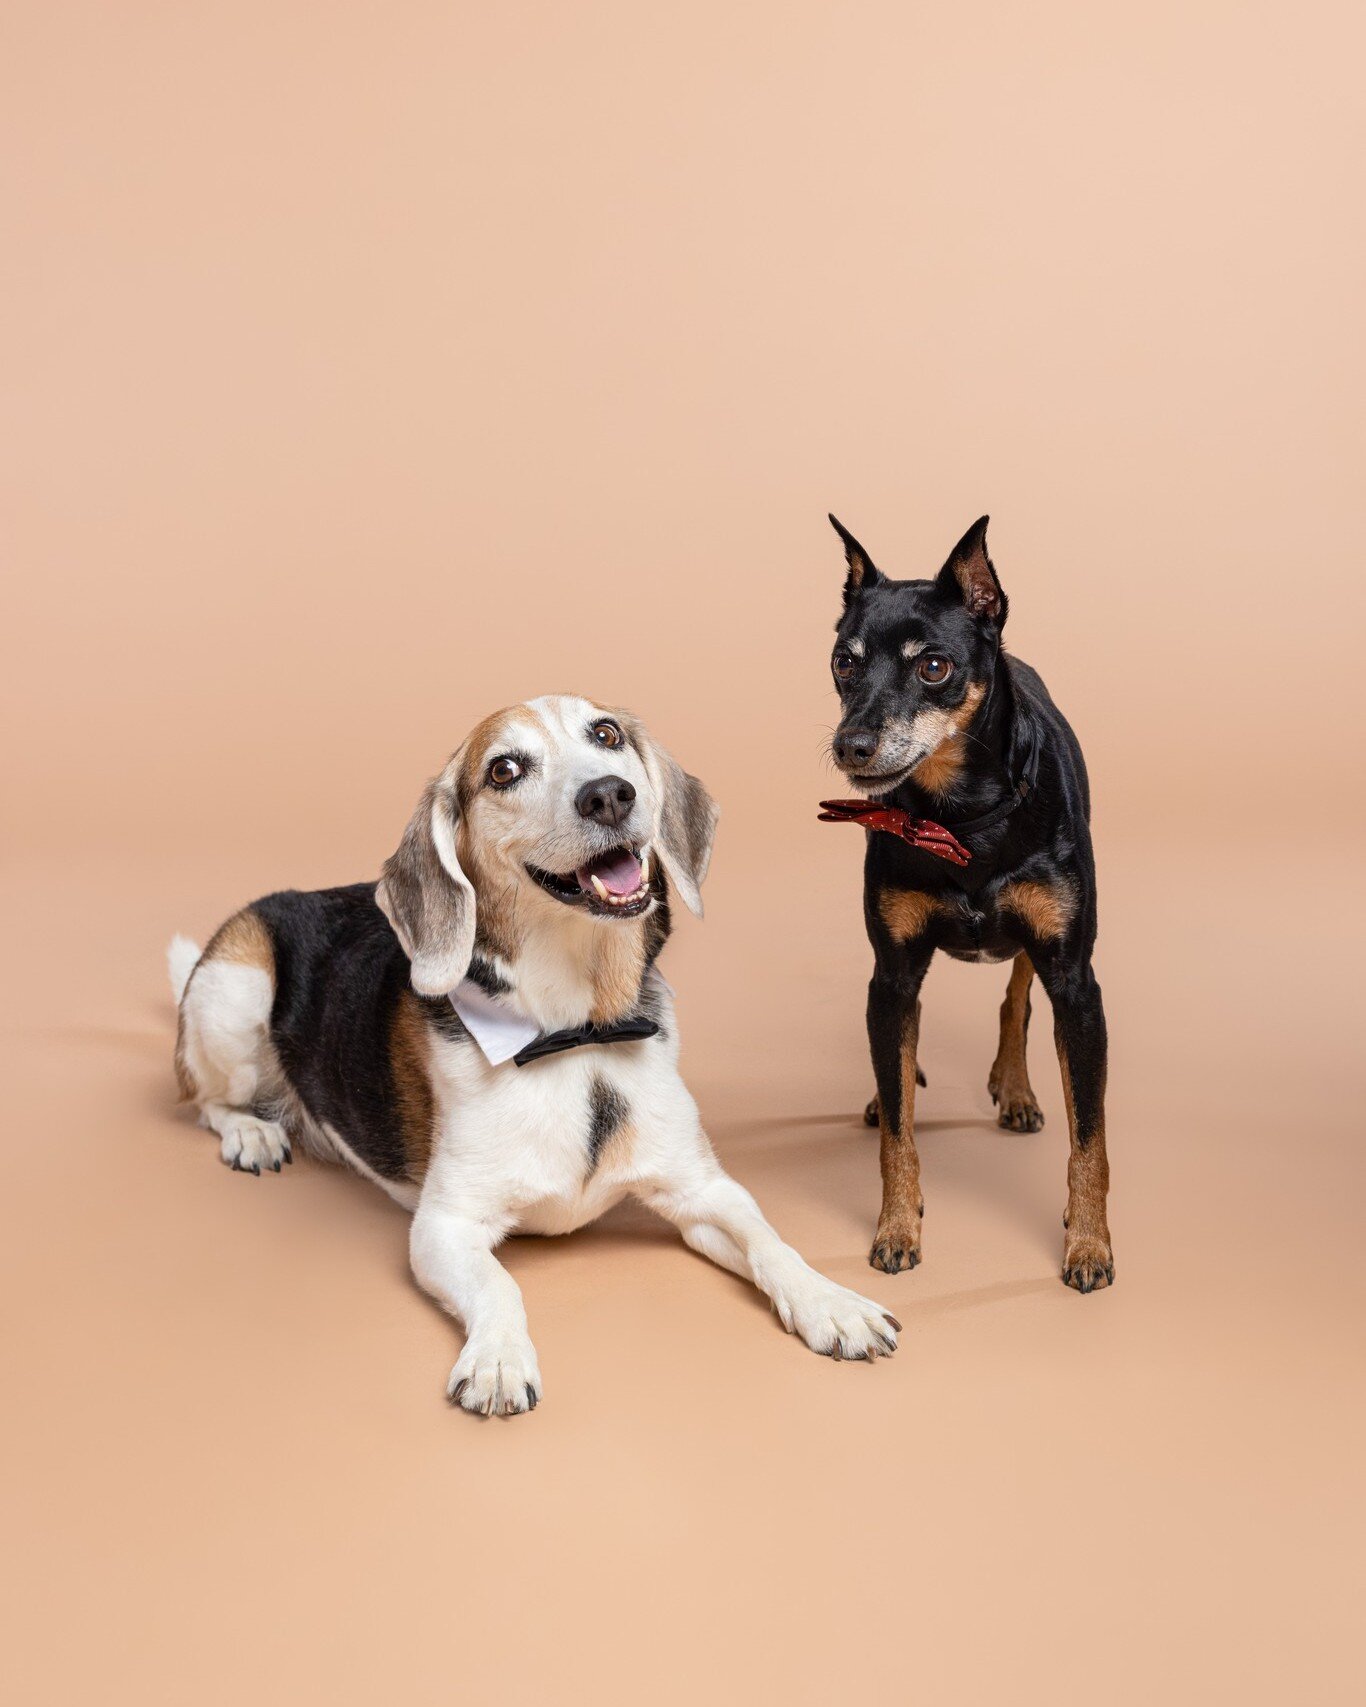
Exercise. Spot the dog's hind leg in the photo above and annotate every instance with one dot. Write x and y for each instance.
(224, 1058)
(1080, 1033)
(1008, 1080)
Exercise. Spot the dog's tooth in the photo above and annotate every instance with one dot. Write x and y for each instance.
(644, 870)
(599, 887)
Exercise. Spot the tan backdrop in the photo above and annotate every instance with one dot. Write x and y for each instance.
(369, 367)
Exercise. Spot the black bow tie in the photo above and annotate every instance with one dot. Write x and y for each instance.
(628, 1031)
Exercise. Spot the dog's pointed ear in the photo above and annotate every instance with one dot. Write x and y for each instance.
(687, 815)
(969, 575)
(427, 898)
(863, 572)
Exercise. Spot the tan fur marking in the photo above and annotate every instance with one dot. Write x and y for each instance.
(1088, 1185)
(1046, 909)
(618, 1145)
(905, 912)
(1008, 1081)
(496, 929)
(184, 1079)
(939, 771)
(477, 747)
(618, 967)
(496, 924)
(244, 940)
(412, 1083)
(898, 1229)
(1010, 1058)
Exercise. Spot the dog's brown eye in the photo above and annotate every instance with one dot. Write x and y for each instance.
(607, 734)
(933, 669)
(842, 664)
(504, 771)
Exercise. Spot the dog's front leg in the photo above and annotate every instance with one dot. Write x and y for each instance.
(721, 1220)
(1079, 1029)
(893, 1039)
(452, 1258)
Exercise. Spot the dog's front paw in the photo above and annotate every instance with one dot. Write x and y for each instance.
(1088, 1263)
(496, 1378)
(897, 1245)
(836, 1322)
(247, 1144)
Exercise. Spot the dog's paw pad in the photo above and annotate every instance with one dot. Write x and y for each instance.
(248, 1145)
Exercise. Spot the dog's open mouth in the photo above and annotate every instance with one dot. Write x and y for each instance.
(615, 884)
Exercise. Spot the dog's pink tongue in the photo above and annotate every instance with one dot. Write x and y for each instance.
(619, 873)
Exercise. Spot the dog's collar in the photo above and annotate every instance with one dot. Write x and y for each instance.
(924, 833)
(504, 1034)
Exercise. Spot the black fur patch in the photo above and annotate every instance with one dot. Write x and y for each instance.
(482, 974)
(339, 972)
(607, 1111)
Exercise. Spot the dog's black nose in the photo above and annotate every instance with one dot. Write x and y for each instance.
(608, 800)
(855, 746)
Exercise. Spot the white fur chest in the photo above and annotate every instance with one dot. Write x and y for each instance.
(548, 1147)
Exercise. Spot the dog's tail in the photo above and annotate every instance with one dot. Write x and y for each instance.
(182, 956)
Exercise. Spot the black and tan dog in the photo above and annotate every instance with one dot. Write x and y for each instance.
(977, 800)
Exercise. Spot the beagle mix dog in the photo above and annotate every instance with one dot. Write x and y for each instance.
(485, 1036)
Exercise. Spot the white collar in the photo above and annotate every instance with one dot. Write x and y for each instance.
(500, 1030)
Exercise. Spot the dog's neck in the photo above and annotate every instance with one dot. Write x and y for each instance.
(563, 968)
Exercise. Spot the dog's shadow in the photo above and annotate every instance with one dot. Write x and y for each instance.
(834, 1158)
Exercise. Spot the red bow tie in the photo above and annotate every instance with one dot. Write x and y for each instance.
(921, 833)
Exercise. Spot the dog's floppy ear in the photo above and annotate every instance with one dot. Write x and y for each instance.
(863, 572)
(427, 898)
(970, 576)
(687, 815)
